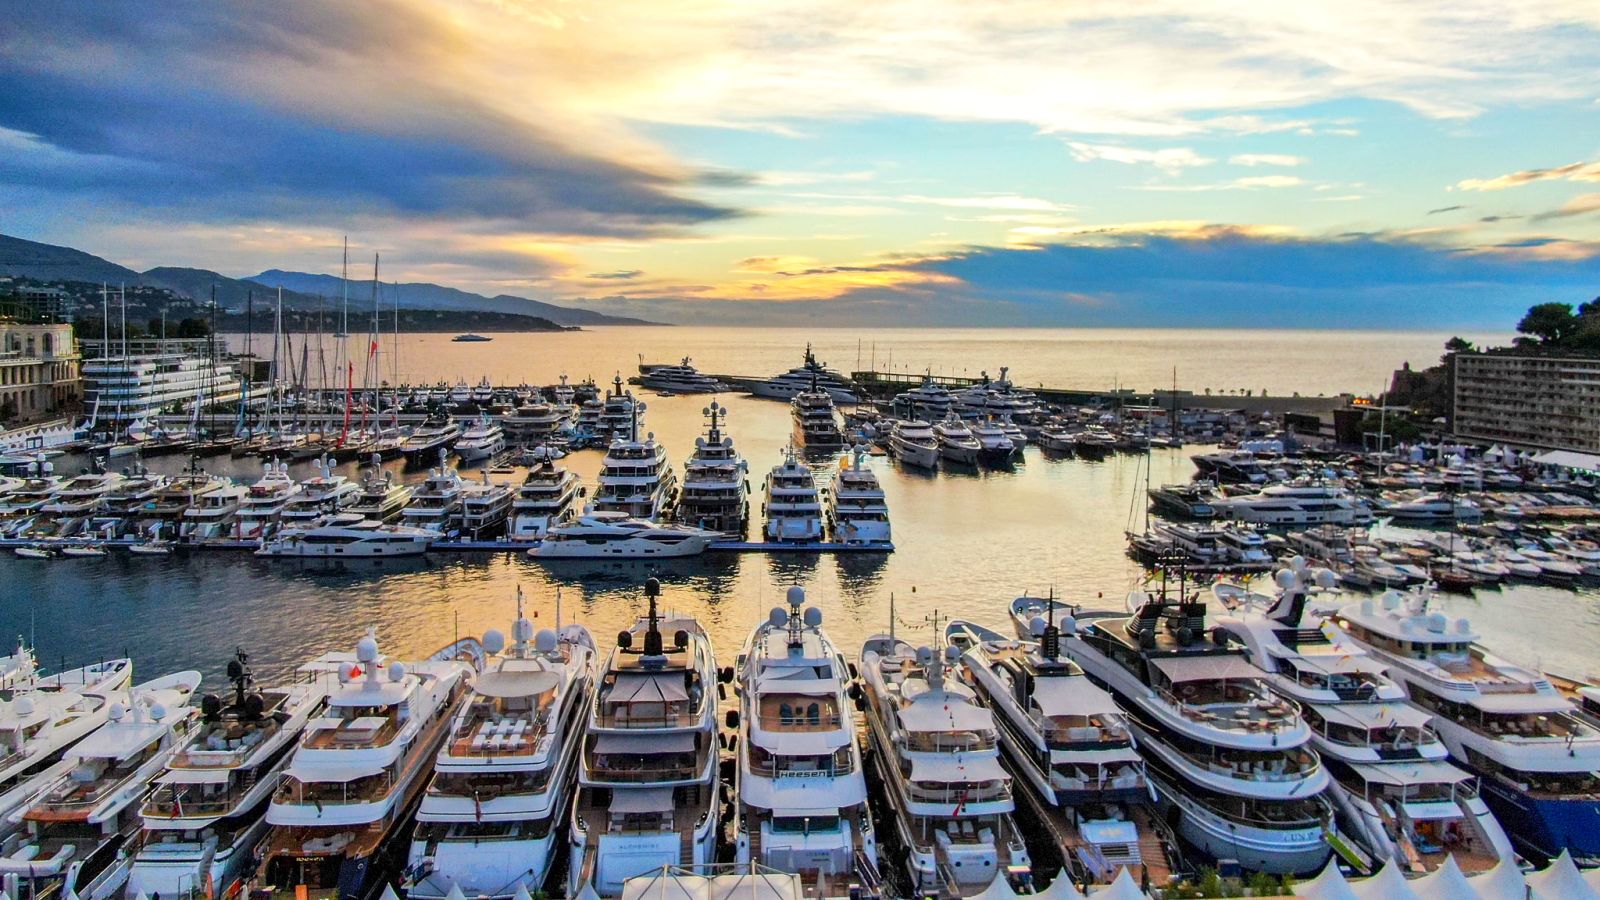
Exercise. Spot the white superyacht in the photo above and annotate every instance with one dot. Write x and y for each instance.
(715, 494)
(793, 504)
(857, 511)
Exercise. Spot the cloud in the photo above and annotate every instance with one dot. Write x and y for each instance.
(1266, 159)
(1578, 171)
(1170, 159)
(619, 275)
(1251, 183)
(1577, 206)
(1444, 209)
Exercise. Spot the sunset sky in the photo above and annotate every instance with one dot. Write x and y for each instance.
(1209, 162)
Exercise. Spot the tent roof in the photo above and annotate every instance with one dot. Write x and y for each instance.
(1560, 879)
(1205, 668)
(1388, 884)
(645, 744)
(1074, 695)
(635, 687)
(516, 684)
(1328, 885)
(641, 800)
(956, 767)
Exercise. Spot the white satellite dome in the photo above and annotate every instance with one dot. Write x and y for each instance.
(813, 616)
(1037, 625)
(397, 670)
(522, 630)
(796, 596)
(494, 640)
(367, 649)
(545, 641)
(778, 618)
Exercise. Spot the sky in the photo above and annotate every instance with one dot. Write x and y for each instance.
(1363, 163)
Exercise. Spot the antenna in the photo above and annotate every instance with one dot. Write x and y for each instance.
(558, 606)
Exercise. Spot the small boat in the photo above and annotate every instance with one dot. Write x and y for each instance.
(83, 551)
(152, 548)
(470, 338)
(35, 552)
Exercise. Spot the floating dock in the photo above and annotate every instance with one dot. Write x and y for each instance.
(453, 546)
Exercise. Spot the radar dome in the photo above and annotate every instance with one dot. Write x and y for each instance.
(1463, 626)
(700, 442)
(545, 641)
(118, 710)
(1284, 579)
(924, 655)
(494, 640)
(1069, 625)
(347, 671)
(158, 710)
(397, 670)
(367, 649)
(778, 618)
(952, 653)
(1326, 579)
(1037, 625)
(1437, 622)
(1366, 607)
(813, 616)
(522, 630)
(1297, 563)
(1391, 600)
(796, 596)
(650, 436)
(24, 706)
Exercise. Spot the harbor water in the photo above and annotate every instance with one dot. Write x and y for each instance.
(966, 542)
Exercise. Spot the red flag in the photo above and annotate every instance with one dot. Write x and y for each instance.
(373, 351)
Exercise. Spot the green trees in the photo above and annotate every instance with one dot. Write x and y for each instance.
(1559, 327)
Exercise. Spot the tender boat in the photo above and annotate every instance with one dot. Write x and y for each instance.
(647, 785)
(615, 535)
(359, 771)
(793, 505)
(715, 494)
(490, 823)
(937, 751)
(77, 828)
(208, 810)
(1072, 747)
(801, 791)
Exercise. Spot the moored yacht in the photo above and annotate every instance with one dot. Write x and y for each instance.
(534, 420)
(801, 792)
(263, 504)
(816, 422)
(213, 512)
(485, 506)
(320, 496)
(620, 415)
(1071, 746)
(928, 401)
(636, 479)
(45, 716)
(857, 510)
(348, 536)
(1227, 758)
(1537, 760)
(994, 442)
(82, 495)
(207, 812)
(647, 783)
(360, 769)
(77, 828)
(913, 443)
(481, 441)
(1295, 503)
(426, 441)
(547, 497)
(382, 496)
(715, 494)
(805, 377)
(956, 441)
(937, 750)
(616, 535)
(680, 378)
(436, 504)
(490, 821)
(1396, 794)
(793, 505)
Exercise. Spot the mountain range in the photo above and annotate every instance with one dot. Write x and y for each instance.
(301, 290)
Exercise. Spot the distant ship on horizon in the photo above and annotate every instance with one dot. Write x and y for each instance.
(470, 338)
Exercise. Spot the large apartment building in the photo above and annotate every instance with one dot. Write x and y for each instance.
(38, 370)
(1528, 400)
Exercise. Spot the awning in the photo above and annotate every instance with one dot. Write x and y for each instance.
(194, 776)
(934, 713)
(956, 767)
(631, 688)
(1205, 668)
(641, 800)
(1569, 459)
(808, 687)
(331, 774)
(1074, 695)
(645, 744)
(1338, 663)
(1520, 702)
(1406, 774)
(516, 684)
(1106, 757)
(1367, 716)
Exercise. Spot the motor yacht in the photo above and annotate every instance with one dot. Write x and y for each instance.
(22, 505)
(803, 378)
(1094, 442)
(547, 497)
(937, 750)
(381, 496)
(263, 504)
(912, 442)
(535, 420)
(1537, 761)
(715, 494)
(482, 441)
(1295, 504)
(856, 509)
(956, 442)
(1188, 501)
(615, 535)
(213, 513)
(485, 507)
(490, 822)
(678, 378)
(1238, 466)
(320, 496)
(1426, 507)
(1228, 758)
(1071, 746)
(359, 770)
(349, 536)
(1397, 795)
(620, 416)
(563, 393)
(636, 478)
(1056, 437)
(793, 505)
(648, 778)
(801, 791)
(76, 830)
(82, 496)
(816, 422)
(928, 401)
(435, 505)
(44, 716)
(178, 494)
(428, 441)
(994, 443)
(483, 392)
(208, 810)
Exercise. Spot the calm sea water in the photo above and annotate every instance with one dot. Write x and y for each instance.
(967, 543)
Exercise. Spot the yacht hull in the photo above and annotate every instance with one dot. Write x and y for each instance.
(1545, 826)
(1285, 851)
